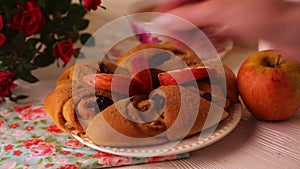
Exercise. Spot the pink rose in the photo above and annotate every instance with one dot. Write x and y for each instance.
(68, 166)
(19, 109)
(1, 122)
(2, 39)
(161, 158)
(91, 4)
(30, 19)
(100, 154)
(34, 114)
(6, 82)
(114, 160)
(73, 143)
(42, 149)
(32, 141)
(64, 50)
(10, 165)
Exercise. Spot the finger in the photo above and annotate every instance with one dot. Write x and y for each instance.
(200, 14)
(166, 5)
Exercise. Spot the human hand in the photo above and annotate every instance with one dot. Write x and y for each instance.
(274, 21)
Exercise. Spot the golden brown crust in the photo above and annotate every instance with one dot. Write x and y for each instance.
(54, 104)
(68, 92)
(177, 116)
(232, 91)
(66, 105)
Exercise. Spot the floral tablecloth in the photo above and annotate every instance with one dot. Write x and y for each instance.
(29, 139)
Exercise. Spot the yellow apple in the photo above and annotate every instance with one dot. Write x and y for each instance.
(269, 85)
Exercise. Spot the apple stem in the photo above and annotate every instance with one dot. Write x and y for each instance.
(278, 60)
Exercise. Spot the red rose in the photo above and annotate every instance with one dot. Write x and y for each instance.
(29, 128)
(2, 39)
(49, 165)
(54, 129)
(1, 22)
(78, 154)
(68, 166)
(65, 152)
(17, 152)
(1, 122)
(91, 4)
(13, 126)
(8, 147)
(32, 141)
(6, 82)
(42, 149)
(64, 50)
(73, 143)
(30, 19)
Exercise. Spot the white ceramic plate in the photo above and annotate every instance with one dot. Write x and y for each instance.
(186, 145)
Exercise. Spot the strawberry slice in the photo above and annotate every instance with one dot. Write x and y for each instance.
(139, 68)
(116, 83)
(184, 75)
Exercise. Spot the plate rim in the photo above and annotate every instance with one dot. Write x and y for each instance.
(184, 146)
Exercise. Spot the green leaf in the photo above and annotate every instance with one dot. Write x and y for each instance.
(40, 161)
(43, 60)
(27, 76)
(19, 146)
(87, 37)
(27, 55)
(44, 121)
(83, 24)
(21, 2)
(20, 97)
(29, 66)
(57, 6)
(16, 118)
(76, 13)
(49, 159)
(42, 3)
(19, 41)
(72, 35)
(50, 139)
(31, 43)
(34, 135)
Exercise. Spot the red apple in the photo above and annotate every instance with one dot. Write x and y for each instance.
(116, 83)
(269, 85)
(184, 75)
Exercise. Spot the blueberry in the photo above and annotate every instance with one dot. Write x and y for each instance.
(103, 102)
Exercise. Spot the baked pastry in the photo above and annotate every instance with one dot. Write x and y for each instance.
(135, 101)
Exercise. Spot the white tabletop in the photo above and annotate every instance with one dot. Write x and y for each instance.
(252, 144)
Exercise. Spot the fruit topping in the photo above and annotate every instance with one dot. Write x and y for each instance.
(139, 68)
(116, 83)
(184, 75)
